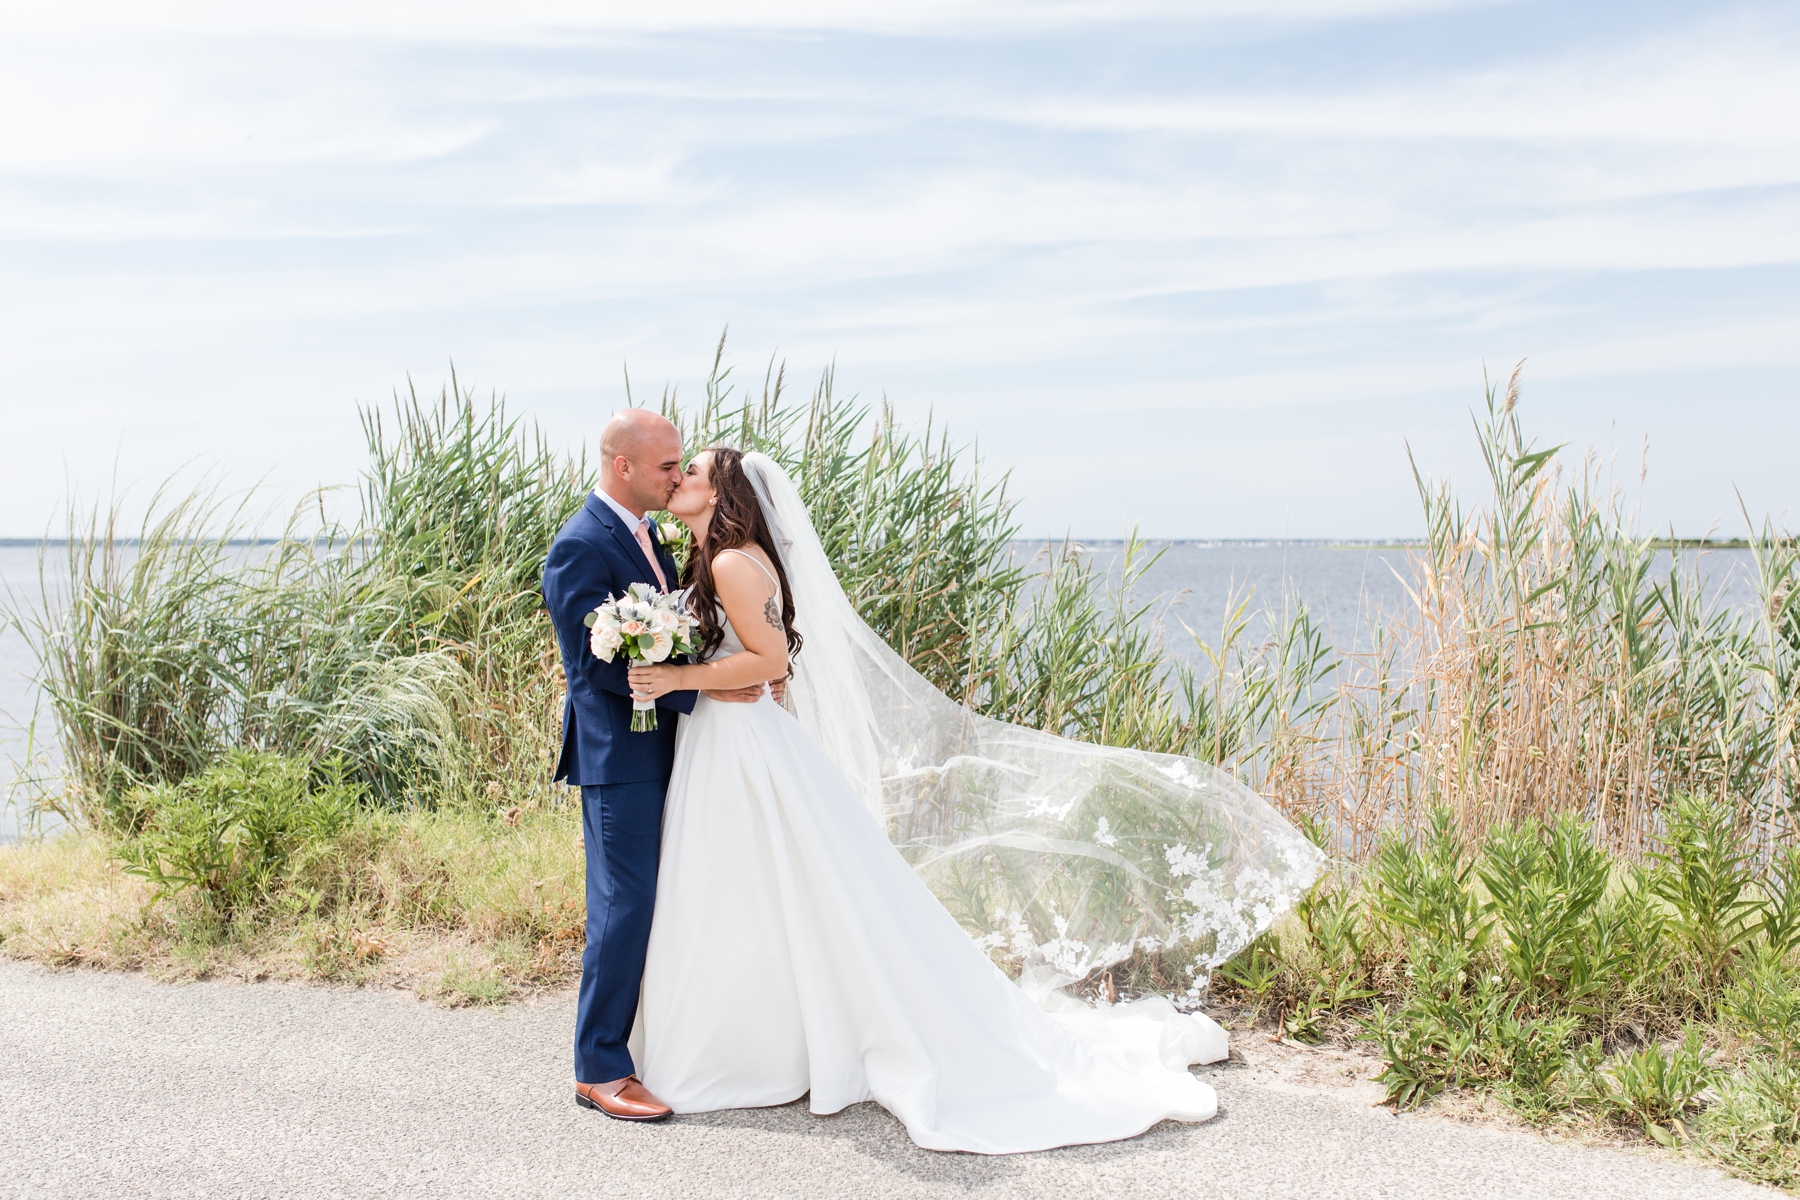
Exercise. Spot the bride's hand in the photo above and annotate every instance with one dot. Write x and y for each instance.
(653, 681)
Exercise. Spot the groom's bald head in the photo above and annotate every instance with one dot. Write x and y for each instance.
(632, 431)
(640, 459)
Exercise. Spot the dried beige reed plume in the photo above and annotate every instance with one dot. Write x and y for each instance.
(1512, 388)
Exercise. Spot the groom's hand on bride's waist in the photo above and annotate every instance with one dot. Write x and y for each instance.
(744, 695)
(751, 694)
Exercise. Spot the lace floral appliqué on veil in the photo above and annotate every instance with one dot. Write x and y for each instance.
(1062, 856)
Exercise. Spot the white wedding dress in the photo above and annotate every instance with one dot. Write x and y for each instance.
(795, 951)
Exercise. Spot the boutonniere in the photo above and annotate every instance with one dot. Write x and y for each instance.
(674, 537)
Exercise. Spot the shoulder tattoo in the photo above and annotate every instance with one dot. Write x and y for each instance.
(772, 612)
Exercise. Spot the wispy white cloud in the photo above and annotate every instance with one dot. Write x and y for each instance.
(535, 21)
(1726, 84)
(328, 195)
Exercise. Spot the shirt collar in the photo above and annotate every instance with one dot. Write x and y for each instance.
(631, 519)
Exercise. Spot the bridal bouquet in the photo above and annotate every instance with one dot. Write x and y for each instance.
(649, 626)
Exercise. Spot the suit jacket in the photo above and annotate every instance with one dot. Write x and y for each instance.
(596, 555)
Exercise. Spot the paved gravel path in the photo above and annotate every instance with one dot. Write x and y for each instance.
(113, 1086)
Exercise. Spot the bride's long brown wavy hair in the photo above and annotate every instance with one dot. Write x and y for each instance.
(737, 521)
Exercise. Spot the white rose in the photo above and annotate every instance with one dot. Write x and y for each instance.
(605, 641)
(660, 645)
(664, 621)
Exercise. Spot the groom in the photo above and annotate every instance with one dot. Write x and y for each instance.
(603, 549)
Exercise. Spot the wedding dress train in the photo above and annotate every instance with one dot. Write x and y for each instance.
(795, 951)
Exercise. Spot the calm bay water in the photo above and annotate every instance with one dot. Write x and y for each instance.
(19, 695)
(1344, 585)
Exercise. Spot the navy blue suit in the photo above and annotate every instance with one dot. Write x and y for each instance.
(623, 778)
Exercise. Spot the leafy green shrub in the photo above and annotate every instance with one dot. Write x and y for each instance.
(1637, 922)
(1654, 1089)
(1425, 889)
(1703, 873)
(1336, 937)
(1457, 1023)
(1496, 991)
(1753, 1126)
(1764, 1003)
(1256, 969)
(231, 833)
(1545, 895)
(1335, 931)
(1457, 1026)
(1780, 921)
(1527, 954)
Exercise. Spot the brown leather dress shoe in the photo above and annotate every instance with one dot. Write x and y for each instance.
(624, 1099)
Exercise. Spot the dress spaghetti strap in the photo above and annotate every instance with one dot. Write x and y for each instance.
(758, 562)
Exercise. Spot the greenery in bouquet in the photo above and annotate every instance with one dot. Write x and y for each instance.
(647, 626)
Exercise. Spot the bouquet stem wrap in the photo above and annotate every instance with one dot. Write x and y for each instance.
(643, 716)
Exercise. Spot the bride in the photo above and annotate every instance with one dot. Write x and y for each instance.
(795, 949)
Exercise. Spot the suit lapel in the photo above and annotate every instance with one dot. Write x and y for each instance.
(603, 513)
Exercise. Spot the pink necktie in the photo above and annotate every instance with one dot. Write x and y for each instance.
(643, 532)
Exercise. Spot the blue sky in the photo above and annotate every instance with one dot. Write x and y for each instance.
(1205, 268)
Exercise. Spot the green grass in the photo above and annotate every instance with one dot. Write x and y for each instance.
(462, 905)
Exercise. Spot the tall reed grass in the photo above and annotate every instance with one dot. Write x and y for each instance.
(1544, 666)
(1541, 666)
(409, 644)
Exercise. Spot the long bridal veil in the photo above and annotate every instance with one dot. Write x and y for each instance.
(1064, 855)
